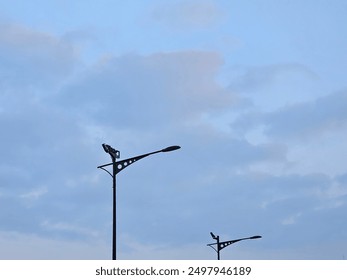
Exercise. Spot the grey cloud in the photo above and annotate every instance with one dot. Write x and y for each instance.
(44, 144)
(309, 119)
(297, 121)
(151, 90)
(230, 200)
(29, 58)
(49, 181)
(256, 78)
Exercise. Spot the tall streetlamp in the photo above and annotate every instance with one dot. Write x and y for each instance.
(118, 166)
(222, 245)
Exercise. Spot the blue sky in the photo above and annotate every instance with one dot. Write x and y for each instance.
(254, 92)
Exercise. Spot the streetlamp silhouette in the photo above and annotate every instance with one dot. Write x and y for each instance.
(118, 166)
(222, 245)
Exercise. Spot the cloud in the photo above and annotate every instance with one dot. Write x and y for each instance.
(309, 119)
(40, 145)
(49, 143)
(31, 58)
(134, 250)
(291, 219)
(69, 228)
(288, 107)
(19, 246)
(257, 77)
(146, 91)
(246, 180)
(188, 14)
(269, 87)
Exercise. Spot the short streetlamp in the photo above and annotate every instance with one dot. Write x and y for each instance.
(118, 166)
(222, 245)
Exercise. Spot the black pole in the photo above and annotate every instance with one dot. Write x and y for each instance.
(114, 244)
(218, 248)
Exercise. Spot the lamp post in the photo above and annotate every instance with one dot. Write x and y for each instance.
(118, 166)
(222, 245)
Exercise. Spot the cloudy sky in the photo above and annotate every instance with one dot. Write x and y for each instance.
(255, 93)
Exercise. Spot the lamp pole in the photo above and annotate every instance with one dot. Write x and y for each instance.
(118, 166)
(222, 245)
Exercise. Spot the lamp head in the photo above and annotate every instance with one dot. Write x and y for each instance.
(255, 237)
(111, 151)
(106, 147)
(171, 148)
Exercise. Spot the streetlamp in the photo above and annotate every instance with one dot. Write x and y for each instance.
(118, 166)
(222, 245)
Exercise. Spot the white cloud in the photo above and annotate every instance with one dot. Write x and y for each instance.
(291, 219)
(70, 228)
(18, 246)
(34, 194)
(188, 14)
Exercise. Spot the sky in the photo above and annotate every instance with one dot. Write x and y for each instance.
(254, 92)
